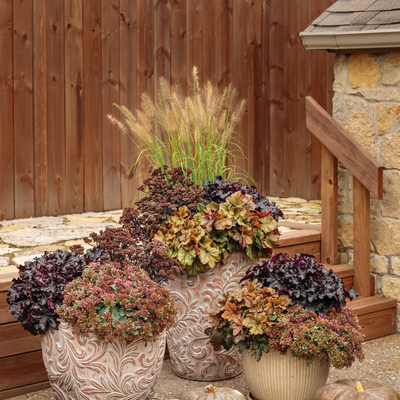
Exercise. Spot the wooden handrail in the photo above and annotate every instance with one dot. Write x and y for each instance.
(337, 144)
(345, 148)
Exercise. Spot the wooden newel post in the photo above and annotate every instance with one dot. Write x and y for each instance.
(329, 207)
(361, 237)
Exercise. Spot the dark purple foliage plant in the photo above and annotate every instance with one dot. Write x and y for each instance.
(306, 282)
(39, 289)
(219, 190)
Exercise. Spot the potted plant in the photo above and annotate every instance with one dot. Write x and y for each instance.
(290, 322)
(214, 233)
(103, 323)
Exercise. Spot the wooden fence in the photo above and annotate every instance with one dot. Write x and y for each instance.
(65, 62)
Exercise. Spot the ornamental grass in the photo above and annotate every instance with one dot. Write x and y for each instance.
(193, 132)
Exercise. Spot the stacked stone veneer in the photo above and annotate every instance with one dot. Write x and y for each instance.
(367, 105)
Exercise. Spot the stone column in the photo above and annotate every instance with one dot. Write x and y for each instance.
(367, 104)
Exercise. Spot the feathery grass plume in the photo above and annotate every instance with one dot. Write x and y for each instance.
(194, 132)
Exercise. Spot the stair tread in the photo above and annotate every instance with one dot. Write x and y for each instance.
(367, 305)
(343, 270)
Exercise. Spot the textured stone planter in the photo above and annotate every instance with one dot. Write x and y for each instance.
(277, 377)
(192, 355)
(83, 368)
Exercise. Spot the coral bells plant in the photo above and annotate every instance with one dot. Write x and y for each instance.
(306, 282)
(216, 231)
(259, 319)
(117, 304)
(38, 291)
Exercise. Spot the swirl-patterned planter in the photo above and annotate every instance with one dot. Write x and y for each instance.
(83, 368)
(192, 355)
(278, 377)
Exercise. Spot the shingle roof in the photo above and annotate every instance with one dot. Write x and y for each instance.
(358, 15)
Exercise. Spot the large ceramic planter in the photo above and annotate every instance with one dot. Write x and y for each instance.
(277, 377)
(83, 368)
(192, 355)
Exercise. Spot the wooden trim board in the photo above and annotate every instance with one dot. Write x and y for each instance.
(7, 394)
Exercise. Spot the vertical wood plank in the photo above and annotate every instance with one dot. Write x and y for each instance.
(23, 109)
(330, 58)
(255, 134)
(224, 43)
(361, 237)
(194, 55)
(210, 26)
(179, 45)
(55, 99)
(303, 162)
(110, 96)
(265, 113)
(6, 112)
(128, 95)
(92, 105)
(145, 60)
(329, 210)
(240, 76)
(74, 139)
(40, 107)
(293, 153)
(277, 160)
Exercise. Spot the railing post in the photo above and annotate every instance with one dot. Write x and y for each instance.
(361, 237)
(329, 206)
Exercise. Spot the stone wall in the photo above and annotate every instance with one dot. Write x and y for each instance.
(367, 105)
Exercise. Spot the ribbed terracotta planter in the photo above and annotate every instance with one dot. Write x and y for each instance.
(83, 368)
(277, 377)
(192, 355)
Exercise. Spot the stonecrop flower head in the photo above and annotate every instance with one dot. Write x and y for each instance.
(117, 304)
(259, 318)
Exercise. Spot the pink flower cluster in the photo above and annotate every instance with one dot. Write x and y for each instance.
(117, 304)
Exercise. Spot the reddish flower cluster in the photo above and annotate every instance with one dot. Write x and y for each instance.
(117, 304)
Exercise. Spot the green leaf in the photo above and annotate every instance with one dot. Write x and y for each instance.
(186, 257)
(210, 256)
(195, 268)
(200, 207)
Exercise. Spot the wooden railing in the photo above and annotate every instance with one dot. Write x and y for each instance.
(337, 144)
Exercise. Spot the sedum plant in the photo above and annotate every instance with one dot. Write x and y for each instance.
(259, 319)
(117, 304)
(216, 231)
(195, 132)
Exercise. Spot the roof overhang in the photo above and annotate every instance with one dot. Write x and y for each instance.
(373, 39)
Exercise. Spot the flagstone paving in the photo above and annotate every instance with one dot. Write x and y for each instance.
(23, 239)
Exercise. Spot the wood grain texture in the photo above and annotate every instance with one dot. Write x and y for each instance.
(346, 149)
(6, 280)
(361, 237)
(329, 206)
(194, 52)
(92, 106)
(74, 112)
(110, 95)
(255, 127)
(7, 394)
(179, 73)
(24, 200)
(6, 113)
(128, 95)
(210, 29)
(55, 102)
(293, 237)
(5, 315)
(40, 108)
(313, 248)
(378, 324)
(21, 370)
(276, 138)
(15, 340)
(224, 43)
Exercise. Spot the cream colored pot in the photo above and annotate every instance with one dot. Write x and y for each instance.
(192, 355)
(277, 377)
(83, 368)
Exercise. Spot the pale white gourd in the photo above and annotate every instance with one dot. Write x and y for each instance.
(212, 393)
